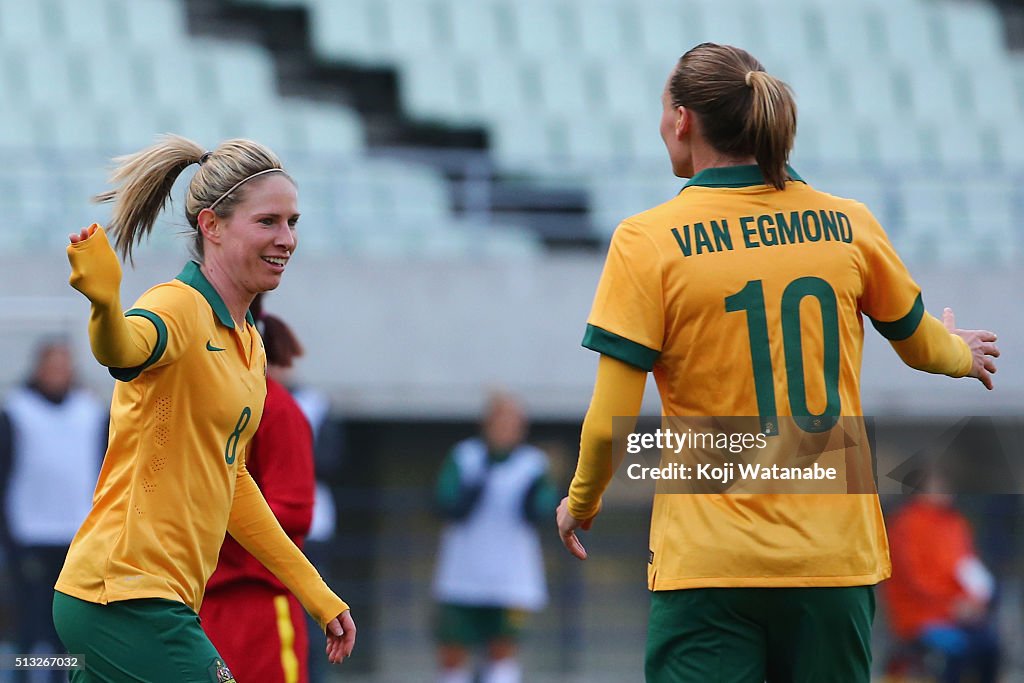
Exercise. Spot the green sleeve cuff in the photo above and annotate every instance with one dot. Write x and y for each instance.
(620, 348)
(901, 329)
(128, 374)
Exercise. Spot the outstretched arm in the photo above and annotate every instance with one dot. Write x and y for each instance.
(117, 341)
(618, 392)
(941, 348)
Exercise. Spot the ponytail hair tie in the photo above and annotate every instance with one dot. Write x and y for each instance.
(205, 157)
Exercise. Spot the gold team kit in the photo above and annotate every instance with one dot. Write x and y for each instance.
(746, 301)
(174, 476)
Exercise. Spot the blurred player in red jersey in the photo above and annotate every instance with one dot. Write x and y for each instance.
(255, 623)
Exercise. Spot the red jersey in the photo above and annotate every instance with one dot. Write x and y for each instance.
(280, 459)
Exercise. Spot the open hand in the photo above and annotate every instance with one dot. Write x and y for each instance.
(341, 637)
(567, 526)
(982, 345)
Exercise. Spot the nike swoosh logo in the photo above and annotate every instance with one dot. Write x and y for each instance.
(211, 347)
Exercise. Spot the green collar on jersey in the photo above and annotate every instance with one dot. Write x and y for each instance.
(734, 176)
(193, 276)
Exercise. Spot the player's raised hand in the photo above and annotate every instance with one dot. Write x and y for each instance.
(982, 345)
(567, 526)
(341, 637)
(95, 270)
(85, 234)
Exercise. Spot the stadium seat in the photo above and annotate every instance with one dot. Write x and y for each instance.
(608, 30)
(544, 27)
(732, 23)
(877, 89)
(667, 30)
(850, 33)
(567, 87)
(477, 27)
(151, 22)
(994, 94)
(898, 142)
(973, 33)
(26, 24)
(85, 24)
(507, 87)
(347, 30)
(939, 92)
(441, 87)
(910, 33)
(236, 74)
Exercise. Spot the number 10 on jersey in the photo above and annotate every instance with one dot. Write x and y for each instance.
(751, 300)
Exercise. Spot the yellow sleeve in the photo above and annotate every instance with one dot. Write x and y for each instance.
(153, 333)
(254, 526)
(932, 348)
(618, 393)
(117, 341)
(893, 302)
(627, 320)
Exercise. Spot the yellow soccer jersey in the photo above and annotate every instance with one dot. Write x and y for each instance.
(165, 490)
(747, 301)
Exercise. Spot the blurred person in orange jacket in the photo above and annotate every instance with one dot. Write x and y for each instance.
(940, 593)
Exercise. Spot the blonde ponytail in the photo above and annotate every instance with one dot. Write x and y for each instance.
(771, 125)
(143, 183)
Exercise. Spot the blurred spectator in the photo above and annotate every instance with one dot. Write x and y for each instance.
(490, 572)
(52, 439)
(939, 596)
(256, 624)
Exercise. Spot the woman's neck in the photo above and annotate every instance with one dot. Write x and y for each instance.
(705, 156)
(234, 296)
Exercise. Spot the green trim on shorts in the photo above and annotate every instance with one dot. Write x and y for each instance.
(149, 640)
(470, 625)
(724, 635)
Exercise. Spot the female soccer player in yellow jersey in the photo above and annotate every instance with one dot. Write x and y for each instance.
(744, 294)
(191, 384)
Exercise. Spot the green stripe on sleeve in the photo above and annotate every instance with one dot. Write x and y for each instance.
(898, 330)
(128, 374)
(620, 348)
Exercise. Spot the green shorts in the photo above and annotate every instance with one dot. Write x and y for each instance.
(149, 640)
(750, 635)
(469, 625)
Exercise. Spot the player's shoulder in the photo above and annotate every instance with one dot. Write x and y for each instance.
(173, 296)
(650, 220)
(850, 206)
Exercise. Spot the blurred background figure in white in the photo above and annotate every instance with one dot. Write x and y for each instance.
(52, 438)
(493, 490)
